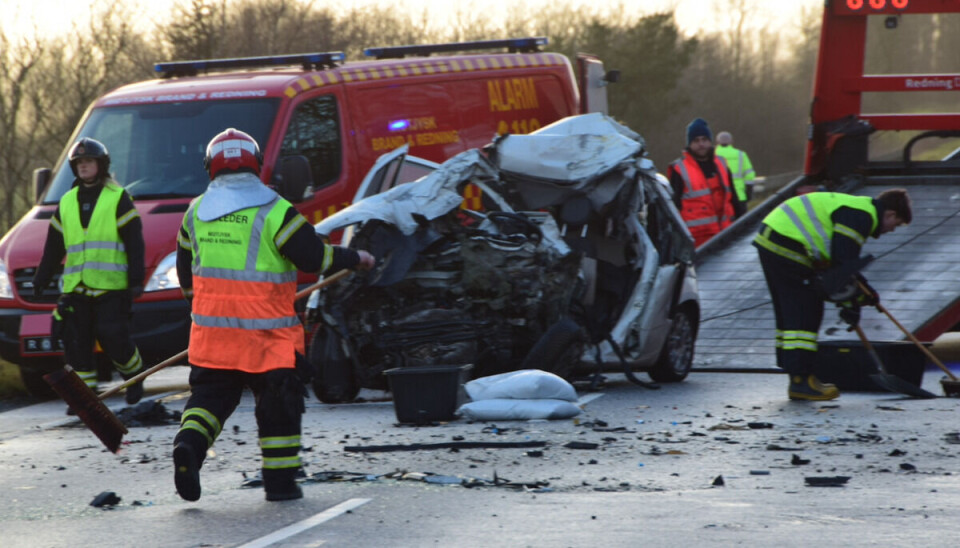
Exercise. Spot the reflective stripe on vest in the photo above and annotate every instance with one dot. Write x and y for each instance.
(807, 220)
(96, 256)
(243, 293)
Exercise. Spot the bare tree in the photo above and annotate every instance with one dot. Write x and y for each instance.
(18, 59)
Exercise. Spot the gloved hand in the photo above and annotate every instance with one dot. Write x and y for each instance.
(136, 292)
(367, 261)
(850, 314)
(868, 296)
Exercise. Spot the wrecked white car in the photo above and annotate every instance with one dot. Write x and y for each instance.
(575, 262)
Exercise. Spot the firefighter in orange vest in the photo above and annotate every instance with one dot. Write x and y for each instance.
(703, 186)
(239, 251)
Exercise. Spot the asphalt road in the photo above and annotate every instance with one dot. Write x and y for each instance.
(651, 481)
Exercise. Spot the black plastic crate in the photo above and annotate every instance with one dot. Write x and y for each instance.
(426, 394)
(847, 364)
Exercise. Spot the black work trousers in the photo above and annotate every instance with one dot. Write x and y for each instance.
(106, 319)
(279, 396)
(798, 307)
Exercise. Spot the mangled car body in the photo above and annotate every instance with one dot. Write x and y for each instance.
(576, 261)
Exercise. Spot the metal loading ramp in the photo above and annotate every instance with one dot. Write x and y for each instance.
(916, 271)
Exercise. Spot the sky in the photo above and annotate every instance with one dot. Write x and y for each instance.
(53, 16)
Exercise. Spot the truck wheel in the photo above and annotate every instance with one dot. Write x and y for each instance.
(558, 350)
(333, 380)
(676, 358)
(32, 372)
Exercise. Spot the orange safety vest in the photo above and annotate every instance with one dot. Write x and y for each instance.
(706, 203)
(243, 291)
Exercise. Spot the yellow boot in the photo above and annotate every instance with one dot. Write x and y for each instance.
(809, 387)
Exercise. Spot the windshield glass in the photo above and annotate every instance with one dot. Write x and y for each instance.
(156, 151)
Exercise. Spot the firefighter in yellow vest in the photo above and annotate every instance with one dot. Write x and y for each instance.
(809, 249)
(739, 163)
(240, 247)
(99, 231)
(703, 186)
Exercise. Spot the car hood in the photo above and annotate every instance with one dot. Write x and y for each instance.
(430, 197)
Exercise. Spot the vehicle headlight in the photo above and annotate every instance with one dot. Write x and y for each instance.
(6, 288)
(165, 276)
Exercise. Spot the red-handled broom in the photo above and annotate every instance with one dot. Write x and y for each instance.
(90, 407)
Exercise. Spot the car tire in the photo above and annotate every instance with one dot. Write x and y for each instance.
(676, 357)
(558, 350)
(333, 379)
(31, 374)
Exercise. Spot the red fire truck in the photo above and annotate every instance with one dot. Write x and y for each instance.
(321, 123)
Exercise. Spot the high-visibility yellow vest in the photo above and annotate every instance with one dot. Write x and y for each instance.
(95, 255)
(807, 219)
(243, 289)
(740, 166)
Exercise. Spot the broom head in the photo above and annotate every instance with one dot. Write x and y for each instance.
(88, 407)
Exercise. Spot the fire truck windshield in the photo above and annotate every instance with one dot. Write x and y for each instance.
(156, 150)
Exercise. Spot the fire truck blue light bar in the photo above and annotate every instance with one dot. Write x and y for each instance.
(514, 45)
(178, 68)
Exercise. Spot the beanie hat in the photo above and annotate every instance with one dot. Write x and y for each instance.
(698, 128)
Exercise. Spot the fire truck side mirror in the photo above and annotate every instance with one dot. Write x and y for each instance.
(41, 176)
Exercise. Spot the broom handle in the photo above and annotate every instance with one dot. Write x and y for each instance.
(910, 336)
(177, 358)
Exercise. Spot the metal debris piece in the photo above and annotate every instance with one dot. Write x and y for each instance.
(826, 481)
(775, 447)
(148, 413)
(444, 445)
(106, 499)
(727, 426)
(580, 445)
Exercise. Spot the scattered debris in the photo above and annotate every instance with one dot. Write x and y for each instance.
(797, 461)
(952, 437)
(826, 481)
(727, 426)
(759, 425)
(759, 472)
(718, 481)
(148, 413)
(106, 499)
(581, 445)
(445, 445)
(906, 466)
(897, 453)
(775, 447)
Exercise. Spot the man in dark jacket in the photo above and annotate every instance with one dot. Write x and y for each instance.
(703, 186)
(239, 251)
(99, 231)
(809, 249)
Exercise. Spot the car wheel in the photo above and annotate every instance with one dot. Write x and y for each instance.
(31, 374)
(558, 350)
(333, 380)
(676, 358)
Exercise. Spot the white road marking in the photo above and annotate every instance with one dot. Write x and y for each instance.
(588, 398)
(301, 526)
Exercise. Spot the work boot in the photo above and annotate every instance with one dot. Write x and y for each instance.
(281, 485)
(809, 387)
(134, 393)
(186, 471)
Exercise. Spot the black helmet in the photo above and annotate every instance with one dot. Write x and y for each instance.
(90, 148)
